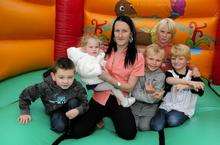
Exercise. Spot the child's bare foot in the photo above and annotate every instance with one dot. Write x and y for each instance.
(100, 124)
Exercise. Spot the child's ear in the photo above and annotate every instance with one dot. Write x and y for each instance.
(52, 75)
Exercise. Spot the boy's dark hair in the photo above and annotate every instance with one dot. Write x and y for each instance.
(61, 63)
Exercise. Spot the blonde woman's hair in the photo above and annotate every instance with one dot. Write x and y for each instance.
(85, 38)
(171, 27)
(154, 49)
(181, 50)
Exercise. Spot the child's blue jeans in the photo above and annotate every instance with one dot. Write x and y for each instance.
(164, 119)
(58, 119)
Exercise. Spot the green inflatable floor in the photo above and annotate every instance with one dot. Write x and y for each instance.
(202, 129)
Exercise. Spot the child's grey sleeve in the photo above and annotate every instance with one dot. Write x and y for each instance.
(140, 94)
(159, 81)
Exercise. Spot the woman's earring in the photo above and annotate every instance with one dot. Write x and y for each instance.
(131, 39)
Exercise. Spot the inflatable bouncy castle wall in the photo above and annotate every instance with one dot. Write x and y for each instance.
(197, 23)
(26, 35)
(197, 26)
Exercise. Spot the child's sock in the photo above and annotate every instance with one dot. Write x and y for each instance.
(127, 101)
(100, 124)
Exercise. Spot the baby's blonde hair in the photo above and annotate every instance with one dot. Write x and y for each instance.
(85, 38)
(171, 26)
(155, 49)
(181, 50)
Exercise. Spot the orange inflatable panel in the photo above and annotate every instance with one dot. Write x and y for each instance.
(196, 22)
(159, 8)
(18, 56)
(26, 35)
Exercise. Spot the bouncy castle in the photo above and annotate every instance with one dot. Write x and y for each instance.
(34, 33)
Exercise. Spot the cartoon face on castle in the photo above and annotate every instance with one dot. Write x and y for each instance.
(123, 7)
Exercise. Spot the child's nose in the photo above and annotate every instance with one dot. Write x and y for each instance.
(164, 34)
(120, 34)
(65, 81)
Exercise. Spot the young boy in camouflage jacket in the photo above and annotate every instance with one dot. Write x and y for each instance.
(63, 97)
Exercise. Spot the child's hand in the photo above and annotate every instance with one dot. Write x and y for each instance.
(72, 113)
(197, 85)
(195, 72)
(150, 88)
(24, 119)
(158, 94)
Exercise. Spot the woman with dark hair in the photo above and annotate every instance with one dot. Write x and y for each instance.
(123, 67)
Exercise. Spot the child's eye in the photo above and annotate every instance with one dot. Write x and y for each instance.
(158, 60)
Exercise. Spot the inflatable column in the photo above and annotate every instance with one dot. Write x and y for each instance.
(216, 67)
(69, 25)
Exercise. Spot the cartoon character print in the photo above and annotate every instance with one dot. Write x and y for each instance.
(178, 8)
(124, 7)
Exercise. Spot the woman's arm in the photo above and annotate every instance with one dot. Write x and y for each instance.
(137, 70)
(128, 87)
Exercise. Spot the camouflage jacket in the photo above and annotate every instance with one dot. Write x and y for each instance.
(52, 96)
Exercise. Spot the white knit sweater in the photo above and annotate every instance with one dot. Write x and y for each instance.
(87, 66)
